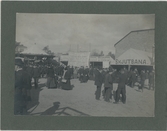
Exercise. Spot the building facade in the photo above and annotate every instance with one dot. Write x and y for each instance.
(142, 40)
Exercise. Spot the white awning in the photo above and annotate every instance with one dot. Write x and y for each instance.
(133, 57)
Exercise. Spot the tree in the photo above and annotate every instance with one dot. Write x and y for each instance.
(47, 50)
(95, 53)
(112, 55)
(19, 47)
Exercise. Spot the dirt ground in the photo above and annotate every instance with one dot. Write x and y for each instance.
(81, 102)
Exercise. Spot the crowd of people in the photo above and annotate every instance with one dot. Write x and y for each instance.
(59, 76)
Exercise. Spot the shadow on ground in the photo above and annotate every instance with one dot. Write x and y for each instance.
(55, 110)
(33, 104)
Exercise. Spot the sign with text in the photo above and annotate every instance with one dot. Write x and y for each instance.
(64, 58)
(106, 64)
(132, 62)
(79, 59)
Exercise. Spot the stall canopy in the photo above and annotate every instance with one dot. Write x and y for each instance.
(134, 57)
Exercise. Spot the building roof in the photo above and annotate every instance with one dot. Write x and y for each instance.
(130, 33)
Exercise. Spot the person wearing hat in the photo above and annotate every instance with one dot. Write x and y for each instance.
(122, 81)
(108, 85)
(22, 84)
(98, 82)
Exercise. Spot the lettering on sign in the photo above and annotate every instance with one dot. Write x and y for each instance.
(79, 59)
(131, 62)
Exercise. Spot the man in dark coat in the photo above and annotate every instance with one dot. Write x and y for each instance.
(98, 82)
(81, 73)
(22, 85)
(91, 74)
(133, 79)
(30, 70)
(108, 85)
(36, 75)
(121, 87)
(86, 75)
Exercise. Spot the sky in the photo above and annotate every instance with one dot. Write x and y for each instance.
(85, 32)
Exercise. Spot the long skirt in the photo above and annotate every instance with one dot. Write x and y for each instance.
(66, 85)
(50, 82)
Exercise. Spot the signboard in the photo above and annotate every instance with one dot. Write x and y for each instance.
(132, 62)
(104, 58)
(64, 58)
(79, 59)
(106, 64)
(93, 59)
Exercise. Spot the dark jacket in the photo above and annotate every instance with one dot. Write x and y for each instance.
(104, 73)
(122, 80)
(98, 78)
(30, 71)
(133, 76)
(143, 76)
(36, 72)
(81, 71)
(67, 75)
(86, 72)
(151, 77)
(108, 82)
(22, 80)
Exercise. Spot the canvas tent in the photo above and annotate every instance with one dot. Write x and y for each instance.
(134, 57)
(34, 53)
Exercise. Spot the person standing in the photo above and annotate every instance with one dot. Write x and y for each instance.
(98, 82)
(36, 75)
(122, 81)
(146, 83)
(91, 74)
(86, 74)
(30, 70)
(22, 85)
(66, 83)
(151, 80)
(143, 77)
(51, 83)
(75, 72)
(133, 79)
(108, 85)
(81, 74)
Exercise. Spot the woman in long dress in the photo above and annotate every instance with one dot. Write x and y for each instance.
(50, 78)
(66, 83)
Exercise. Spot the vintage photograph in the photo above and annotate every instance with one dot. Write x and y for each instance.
(85, 65)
